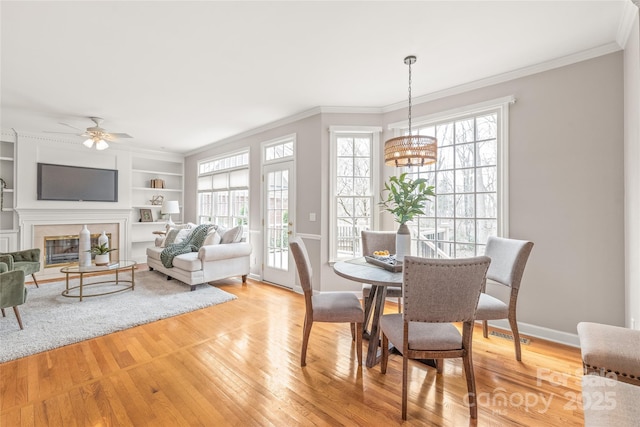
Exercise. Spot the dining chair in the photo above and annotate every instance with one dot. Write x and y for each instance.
(336, 307)
(379, 241)
(508, 259)
(437, 293)
(12, 290)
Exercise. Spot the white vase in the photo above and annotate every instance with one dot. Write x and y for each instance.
(103, 239)
(84, 245)
(403, 242)
(102, 259)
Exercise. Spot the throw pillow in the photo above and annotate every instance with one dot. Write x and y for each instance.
(182, 234)
(213, 238)
(171, 237)
(233, 235)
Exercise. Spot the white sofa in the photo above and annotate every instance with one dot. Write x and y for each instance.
(211, 262)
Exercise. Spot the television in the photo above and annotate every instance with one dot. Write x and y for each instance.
(76, 183)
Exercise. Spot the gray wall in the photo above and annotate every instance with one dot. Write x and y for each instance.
(566, 188)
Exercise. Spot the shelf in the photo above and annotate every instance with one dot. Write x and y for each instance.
(155, 189)
(156, 172)
(145, 206)
(8, 159)
(7, 190)
(150, 223)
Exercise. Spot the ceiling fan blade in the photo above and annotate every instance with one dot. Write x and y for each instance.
(116, 135)
(71, 126)
(63, 133)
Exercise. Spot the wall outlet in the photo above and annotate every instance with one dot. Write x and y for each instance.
(312, 216)
(633, 323)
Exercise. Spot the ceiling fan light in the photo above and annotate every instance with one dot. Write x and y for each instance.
(101, 145)
(88, 143)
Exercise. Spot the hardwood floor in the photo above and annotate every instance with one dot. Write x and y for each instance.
(238, 364)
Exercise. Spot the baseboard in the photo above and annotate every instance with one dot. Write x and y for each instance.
(541, 332)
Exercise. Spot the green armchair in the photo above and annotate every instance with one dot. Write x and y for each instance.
(27, 261)
(12, 290)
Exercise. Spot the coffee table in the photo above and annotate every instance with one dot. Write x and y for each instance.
(120, 284)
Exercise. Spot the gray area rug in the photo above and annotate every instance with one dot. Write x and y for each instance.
(51, 320)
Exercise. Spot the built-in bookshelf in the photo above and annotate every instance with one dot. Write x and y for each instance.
(8, 220)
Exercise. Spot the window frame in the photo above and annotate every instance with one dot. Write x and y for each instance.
(335, 132)
(499, 106)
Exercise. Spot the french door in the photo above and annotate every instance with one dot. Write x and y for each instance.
(278, 225)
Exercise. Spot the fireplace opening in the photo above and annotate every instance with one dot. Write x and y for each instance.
(60, 251)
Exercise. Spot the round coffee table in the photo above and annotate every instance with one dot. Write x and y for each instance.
(120, 284)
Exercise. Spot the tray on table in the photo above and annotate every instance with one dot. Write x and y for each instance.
(388, 263)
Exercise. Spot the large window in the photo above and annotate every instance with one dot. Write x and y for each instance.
(352, 204)
(223, 190)
(470, 183)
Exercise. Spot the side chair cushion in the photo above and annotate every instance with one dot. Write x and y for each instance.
(337, 307)
(491, 308)
(12, 289)
(27, 266)
(423, 336)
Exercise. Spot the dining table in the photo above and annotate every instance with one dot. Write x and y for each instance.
(359, 270)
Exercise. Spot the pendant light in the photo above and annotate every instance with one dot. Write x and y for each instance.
(410, 150)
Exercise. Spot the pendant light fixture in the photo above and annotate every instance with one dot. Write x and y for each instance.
(410, 150)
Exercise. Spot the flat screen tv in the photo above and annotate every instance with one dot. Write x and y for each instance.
(76, 183)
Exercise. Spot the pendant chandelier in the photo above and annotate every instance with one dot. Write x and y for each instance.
(410, 150)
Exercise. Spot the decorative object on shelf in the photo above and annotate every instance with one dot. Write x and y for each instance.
(102, 254)
(410, 150)
(157, 183)
(3, 185)
(84, 247)
(146, 215)
(170, 207)
(405, 199)
(103, 239)
(157, 200)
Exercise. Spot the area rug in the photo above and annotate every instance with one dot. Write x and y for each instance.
(51, 320)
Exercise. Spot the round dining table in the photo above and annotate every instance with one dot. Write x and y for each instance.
(359, 270)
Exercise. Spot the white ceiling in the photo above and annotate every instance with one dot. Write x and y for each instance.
(179, 75)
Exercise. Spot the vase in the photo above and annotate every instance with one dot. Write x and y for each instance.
(102, 259)
(84, 246)
(403, 242)
(103, 239)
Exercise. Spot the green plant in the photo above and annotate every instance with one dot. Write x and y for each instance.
(100, 249)
(406, 197)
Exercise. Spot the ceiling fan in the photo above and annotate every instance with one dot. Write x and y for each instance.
(96, 135)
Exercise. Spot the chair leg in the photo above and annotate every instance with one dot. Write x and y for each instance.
(15, 310)
(485, 329)
(33, 276)
(385, 354)
(516, 336)
(439, 365)
(353, 331)
(399, 305)
(305, 340)
(358, 327)
(471, 384)
(3, 314)
(405, 386)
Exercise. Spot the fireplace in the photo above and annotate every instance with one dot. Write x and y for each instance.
(63, 250)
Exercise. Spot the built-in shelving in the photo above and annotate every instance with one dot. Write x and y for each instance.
(8, 221)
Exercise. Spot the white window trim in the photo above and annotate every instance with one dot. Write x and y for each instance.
(276, 141)
(334, 132)
(501, 105)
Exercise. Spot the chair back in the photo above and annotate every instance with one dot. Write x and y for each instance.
(301, 257)
(378, 241)
(508, 259)
(442, 290)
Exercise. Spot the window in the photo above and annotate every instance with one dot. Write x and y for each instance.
(223, 191)
(470, 183)
(354, 153)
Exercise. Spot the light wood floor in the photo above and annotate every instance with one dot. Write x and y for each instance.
(238, 364)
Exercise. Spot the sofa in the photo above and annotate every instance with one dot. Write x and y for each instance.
(223, 254)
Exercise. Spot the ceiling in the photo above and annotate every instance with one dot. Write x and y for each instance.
(180, 75)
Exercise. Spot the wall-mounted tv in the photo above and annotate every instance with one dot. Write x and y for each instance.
(76, 183)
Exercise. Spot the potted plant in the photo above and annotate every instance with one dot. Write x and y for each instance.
(102, 253)
(405, 199)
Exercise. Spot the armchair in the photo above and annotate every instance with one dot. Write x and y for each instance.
(12, 290)
(27, 260)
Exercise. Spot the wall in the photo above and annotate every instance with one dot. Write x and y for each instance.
(566, 188)
(632, 174)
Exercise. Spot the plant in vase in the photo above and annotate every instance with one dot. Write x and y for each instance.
(405, 199)
(102, 253)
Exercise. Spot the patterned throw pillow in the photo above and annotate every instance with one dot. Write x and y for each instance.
(233, 235)
(171, 237)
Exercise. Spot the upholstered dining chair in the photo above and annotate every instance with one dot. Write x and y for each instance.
(508, 259)
(27, 260)
(335, 307)
(437, 292)
(379, 241)
(12, 290)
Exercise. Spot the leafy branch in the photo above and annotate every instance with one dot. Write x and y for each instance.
(406, 197)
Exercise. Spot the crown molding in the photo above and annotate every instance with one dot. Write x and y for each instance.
(629, 16)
